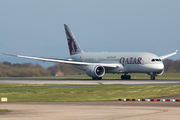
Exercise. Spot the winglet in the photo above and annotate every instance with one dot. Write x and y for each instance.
(168, 55)
(176, 51)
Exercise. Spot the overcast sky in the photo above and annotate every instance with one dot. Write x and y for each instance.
(35, 27)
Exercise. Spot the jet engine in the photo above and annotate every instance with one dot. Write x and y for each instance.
(157, 73)
(95, 71)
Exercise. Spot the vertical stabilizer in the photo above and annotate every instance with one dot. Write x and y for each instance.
(72, 43)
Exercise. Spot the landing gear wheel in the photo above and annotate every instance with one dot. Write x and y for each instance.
(129, 77)
(152, 77)
(97, 78)
(125, 77)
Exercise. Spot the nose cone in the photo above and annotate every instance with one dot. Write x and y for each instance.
(156, 67)
(160, 66)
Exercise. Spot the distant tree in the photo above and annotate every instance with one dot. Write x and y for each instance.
(171, 65)
(8, 69)
(64, 69)
(6, 63)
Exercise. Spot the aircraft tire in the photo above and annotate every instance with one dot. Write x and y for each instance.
(97, 78)
(152, 77)
(125, 77)
(122, 77)
(129, 77)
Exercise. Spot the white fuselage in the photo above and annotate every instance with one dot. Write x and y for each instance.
(128, 62)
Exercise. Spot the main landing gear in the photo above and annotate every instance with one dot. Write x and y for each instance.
(125, 77)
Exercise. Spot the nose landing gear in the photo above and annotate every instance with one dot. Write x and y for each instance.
(152, 77)
(96, 78)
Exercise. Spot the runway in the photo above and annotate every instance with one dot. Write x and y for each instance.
(110, 110)
(92, 82)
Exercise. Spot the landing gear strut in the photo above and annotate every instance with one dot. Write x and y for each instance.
(125, 77)
(152, 77)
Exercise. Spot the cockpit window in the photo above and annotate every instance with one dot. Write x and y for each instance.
(155, 60)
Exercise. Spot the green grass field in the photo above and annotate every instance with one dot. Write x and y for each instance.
(3, 110)
(106, 76)
(96, 93)
(5, 85)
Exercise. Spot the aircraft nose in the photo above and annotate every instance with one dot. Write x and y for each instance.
(160, 66)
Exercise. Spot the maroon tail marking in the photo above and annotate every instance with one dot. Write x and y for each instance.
(70, 43)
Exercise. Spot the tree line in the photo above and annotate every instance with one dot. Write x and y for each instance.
(171, 66)
(8, 69)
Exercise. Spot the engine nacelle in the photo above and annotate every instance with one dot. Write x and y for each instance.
(157, 73)
(95, 71)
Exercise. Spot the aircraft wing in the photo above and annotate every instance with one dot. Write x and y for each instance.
(168, 55)
(66, 61)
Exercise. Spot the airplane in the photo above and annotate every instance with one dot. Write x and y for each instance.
(97, 64)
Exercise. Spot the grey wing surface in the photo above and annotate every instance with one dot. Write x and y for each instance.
(168, 55)
(66, 61)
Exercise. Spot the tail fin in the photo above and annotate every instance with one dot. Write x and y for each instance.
(72, 43)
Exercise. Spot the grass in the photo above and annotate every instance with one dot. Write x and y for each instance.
(96, 93)
(106, 76)
(3, 110)
(5, 85)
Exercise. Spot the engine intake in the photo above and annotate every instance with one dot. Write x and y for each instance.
(95, 71)
(156, 73)
(159, 73)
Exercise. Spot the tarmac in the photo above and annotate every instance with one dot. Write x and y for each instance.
(110, 110)
(103, 110)
(93, 82)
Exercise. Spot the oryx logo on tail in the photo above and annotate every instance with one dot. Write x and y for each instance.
(73, 45)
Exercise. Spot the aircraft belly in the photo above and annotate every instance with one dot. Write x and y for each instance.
(141, 68)
(136, 69)
(112, 70)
